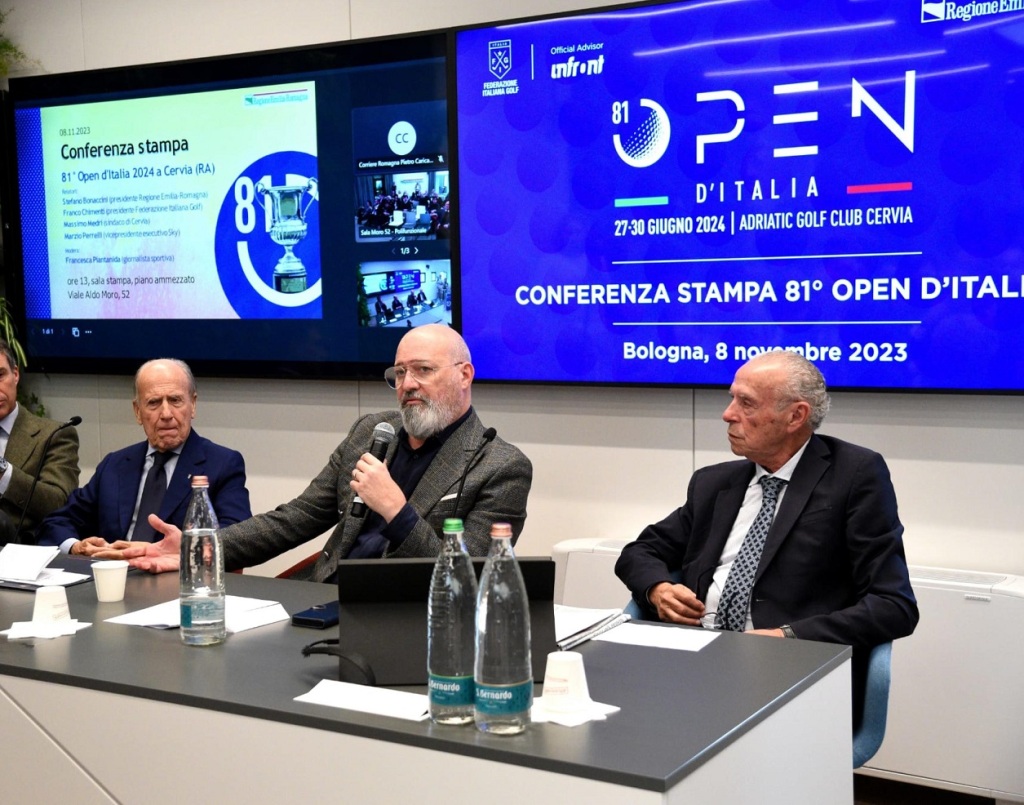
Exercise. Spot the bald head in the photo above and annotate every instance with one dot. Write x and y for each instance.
(432, 400)
(440, 340)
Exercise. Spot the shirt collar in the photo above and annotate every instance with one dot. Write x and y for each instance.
(7, 423)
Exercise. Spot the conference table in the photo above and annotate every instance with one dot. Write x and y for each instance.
(129, 714)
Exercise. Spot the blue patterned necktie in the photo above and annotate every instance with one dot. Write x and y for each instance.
(736, 593)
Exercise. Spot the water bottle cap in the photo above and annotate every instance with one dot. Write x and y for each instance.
(501, 531)
(452, 524)
(200, 480)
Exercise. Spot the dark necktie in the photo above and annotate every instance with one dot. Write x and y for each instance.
(152, 496)
(736, 593)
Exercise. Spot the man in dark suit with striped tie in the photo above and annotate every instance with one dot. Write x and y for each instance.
(154, 476)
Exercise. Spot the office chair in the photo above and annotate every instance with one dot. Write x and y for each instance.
(302, 564)
(868, 736)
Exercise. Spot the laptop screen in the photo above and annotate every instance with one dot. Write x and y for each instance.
(383, 614)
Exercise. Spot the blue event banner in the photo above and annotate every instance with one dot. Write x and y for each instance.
(654, 194)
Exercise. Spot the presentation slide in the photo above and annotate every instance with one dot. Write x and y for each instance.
(656, 194)
(223, 210)
(173, 207)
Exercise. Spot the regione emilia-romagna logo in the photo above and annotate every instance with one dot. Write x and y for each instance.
(960, 11)
(499, 57)
(646, 132)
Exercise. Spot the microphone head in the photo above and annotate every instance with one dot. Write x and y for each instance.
(384, 432)
(75, 421)
(489, 434)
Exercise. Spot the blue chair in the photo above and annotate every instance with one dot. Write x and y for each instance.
(868, 737)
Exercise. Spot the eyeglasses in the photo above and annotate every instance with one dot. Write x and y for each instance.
(422, 373)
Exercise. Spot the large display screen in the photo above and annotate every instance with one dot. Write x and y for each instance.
(228, 211)
(654, 194)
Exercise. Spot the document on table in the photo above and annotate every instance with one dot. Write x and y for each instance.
(44, 630)
(656, 636)
(381, 701)
(569, 620)
(24, 567)
(240, 614)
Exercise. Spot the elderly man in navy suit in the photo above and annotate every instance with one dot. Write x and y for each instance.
(801, 539)
(155, 474)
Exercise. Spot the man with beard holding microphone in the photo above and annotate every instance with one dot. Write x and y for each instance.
(440, 463)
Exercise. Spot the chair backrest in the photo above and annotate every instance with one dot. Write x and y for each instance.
(868, 737)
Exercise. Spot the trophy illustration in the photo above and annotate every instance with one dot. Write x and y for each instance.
(288, 228)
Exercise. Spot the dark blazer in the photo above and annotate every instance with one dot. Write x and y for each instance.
(57, 470)
(833, 565)
(104, 506)
(496, 490)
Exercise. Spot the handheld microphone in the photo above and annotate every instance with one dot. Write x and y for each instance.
(73, 422)
(383, 435)
(486, 439)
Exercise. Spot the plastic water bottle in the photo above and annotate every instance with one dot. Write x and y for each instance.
(504, 674)
(202, 571)
(451, 631)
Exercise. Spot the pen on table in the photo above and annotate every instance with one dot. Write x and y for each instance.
(599, 628)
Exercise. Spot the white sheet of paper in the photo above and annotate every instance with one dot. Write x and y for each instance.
(594, 711)
(381, 701)
(25, 562)
(44, 629)
(569, 620)
(652, 635)
(239, 614)
(55, 577)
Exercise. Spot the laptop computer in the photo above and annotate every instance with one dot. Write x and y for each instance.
(382, 614)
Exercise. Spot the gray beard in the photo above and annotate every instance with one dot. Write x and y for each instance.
(427, 419)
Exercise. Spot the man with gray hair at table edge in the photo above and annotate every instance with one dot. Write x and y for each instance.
(801, 539)
(443, 463)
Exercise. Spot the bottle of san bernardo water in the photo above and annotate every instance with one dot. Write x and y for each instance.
(202, 571)
(504, 674)
(451, 631)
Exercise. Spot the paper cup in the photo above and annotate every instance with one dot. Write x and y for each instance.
(110, 577)
(565, 682)
(51, 605)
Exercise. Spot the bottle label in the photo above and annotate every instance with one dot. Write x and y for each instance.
(451, 691)
(499, 700)
(201, 611)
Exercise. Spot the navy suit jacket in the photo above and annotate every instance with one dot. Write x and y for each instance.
(104, 506)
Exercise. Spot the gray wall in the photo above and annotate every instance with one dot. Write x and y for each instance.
(607, 461)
